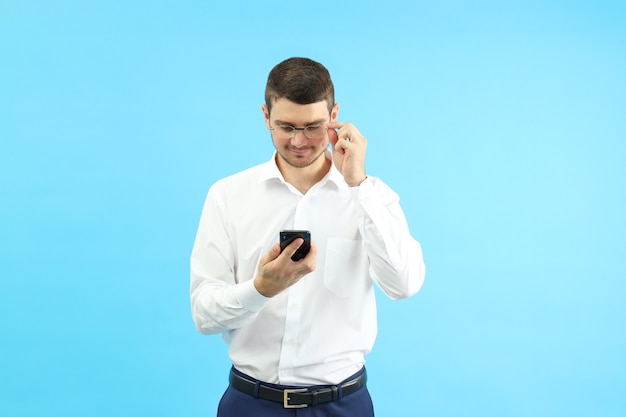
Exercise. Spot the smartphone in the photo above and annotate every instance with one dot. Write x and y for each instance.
(288, 236)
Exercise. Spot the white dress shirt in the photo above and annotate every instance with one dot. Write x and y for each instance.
(319, 330)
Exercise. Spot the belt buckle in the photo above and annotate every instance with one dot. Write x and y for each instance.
(286, 398)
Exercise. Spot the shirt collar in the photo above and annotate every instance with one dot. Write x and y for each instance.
(270, 171)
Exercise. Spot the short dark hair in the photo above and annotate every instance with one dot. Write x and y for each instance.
(300, 80)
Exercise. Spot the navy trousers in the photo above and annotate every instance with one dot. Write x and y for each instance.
(237, 404)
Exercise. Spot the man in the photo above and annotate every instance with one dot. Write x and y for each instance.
(298, 331)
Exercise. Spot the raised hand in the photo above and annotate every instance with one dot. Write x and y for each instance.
(349, 147)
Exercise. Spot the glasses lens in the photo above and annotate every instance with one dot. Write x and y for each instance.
(315, 132)
(284, 132)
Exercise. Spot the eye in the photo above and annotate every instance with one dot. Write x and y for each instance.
(286, 128)
(315, 129)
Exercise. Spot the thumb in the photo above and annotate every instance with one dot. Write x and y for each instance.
(271, 254)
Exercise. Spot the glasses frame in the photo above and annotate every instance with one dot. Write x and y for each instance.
(301, 129)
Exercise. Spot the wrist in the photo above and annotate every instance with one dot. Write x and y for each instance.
(357, 182)
(263, 290)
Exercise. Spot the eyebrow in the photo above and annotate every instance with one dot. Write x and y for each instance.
(313, 123)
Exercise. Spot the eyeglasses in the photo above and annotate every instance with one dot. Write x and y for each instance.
(288, 132)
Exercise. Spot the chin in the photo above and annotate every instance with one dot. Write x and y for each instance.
(303, 162)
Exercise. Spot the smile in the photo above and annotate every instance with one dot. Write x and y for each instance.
(299, 151)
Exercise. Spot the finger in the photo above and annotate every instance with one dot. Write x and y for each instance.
(332, 136)
(341, 146)
(271, 254)
(293, 247)
(347, 133)
(310, 260)
(340, 129)
(336, 125)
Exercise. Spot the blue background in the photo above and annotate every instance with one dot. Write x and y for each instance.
(500, 124)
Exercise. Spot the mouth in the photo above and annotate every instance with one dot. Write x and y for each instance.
(299, 151)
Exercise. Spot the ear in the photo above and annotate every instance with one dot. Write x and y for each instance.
(334, 112)
(266, 115)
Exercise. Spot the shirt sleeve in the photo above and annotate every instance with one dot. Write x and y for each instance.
(218, 302)
(396, 260)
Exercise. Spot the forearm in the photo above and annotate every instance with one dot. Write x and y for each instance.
(396, 259)
(218, 308)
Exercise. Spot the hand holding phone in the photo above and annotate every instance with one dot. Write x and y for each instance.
(288, 236)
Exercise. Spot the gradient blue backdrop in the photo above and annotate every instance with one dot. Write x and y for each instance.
(501, 125)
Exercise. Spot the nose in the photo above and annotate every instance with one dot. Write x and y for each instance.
(299, 138)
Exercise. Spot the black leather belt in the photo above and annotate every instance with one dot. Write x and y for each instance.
(296, 397)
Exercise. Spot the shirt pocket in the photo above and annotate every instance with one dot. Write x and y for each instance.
(346, 267)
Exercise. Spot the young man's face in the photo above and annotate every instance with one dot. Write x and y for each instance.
(294, 146)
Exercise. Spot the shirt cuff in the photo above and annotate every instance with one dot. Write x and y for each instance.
(249, 298)
(359, 193)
